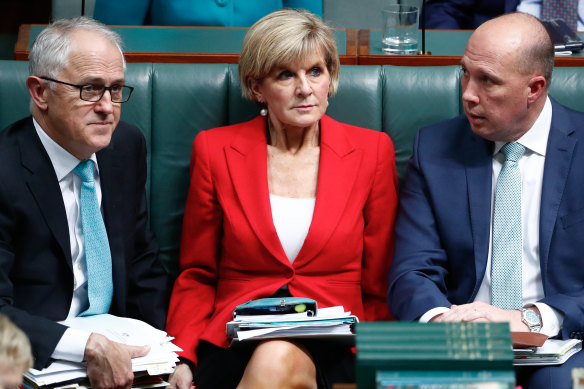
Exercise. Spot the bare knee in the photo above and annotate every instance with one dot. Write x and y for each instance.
(279, 364)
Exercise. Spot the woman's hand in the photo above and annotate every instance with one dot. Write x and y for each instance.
(182, 378)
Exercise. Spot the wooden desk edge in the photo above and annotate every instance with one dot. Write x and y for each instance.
(351, 42)
(410, 60)
(364, 36)
(21, 49)
(365, 58)
(444, 60)
(21, 45)
(357, 52)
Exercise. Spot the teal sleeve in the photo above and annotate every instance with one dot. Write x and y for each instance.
(116, 12)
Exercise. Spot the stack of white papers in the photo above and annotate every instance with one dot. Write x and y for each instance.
(161, 359)
(553, 352)
(331, 322)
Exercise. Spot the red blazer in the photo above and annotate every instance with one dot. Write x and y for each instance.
(231, 253)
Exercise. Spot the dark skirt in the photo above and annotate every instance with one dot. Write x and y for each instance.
(220, 368)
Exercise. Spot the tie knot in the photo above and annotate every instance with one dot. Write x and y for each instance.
(513, 151)
(85, 170)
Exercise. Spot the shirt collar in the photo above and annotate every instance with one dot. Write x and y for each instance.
(63, 161)
(535, 139)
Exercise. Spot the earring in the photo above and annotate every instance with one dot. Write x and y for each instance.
(264, 110)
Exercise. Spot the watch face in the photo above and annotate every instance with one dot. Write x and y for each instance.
(531, 317)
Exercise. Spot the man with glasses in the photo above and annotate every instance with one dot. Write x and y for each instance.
(73, 222)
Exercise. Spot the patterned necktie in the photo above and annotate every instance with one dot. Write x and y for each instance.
(561, 9)
(97, 251)
(506, 258)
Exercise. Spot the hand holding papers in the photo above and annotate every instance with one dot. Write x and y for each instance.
(160, 360)
(331, 322)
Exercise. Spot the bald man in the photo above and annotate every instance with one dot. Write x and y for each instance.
(445, 237)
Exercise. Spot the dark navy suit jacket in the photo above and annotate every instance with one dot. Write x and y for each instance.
(465, 14)
(36, 276)
(442, 231)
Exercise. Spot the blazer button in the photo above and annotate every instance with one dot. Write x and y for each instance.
(222, 3)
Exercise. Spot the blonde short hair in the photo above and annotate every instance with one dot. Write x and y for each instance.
(282, 37)
(15, 348)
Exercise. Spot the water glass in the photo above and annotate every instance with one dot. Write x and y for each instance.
(400, 29)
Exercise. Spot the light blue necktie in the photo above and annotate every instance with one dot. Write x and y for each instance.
(97, 251)
(506, 258)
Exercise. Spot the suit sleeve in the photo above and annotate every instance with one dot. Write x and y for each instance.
(417, 274)
(378, 236)
(193, 295)
(449, 14)
(44, 334)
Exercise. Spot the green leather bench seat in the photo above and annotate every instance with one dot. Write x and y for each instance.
(172, 103)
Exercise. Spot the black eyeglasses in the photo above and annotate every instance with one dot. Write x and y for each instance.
(94, 93)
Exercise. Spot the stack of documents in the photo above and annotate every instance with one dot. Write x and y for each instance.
(553, 352)
(331, 322)
(148, 370)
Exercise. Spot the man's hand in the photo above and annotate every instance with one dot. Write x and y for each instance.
(109, 363)
(182, 378)
(481, 312)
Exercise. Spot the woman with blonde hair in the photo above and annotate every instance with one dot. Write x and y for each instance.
(291, 203)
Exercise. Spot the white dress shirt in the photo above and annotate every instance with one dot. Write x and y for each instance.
(292, 218)
(533, 7)
(531, 166)
(71, 347)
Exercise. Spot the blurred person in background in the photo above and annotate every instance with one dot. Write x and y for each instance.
(469, 14)
(227, 13)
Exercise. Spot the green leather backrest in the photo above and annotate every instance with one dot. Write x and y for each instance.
(568, 87)
(186, 100)
(138, 110)
(14, 97)
(417, 97)
(172, 103)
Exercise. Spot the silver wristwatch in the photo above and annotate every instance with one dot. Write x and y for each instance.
(531, 319)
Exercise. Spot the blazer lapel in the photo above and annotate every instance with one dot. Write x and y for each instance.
(479, 180)
(557, 165)
(42, 182)
(247, 163)
(339, 165)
